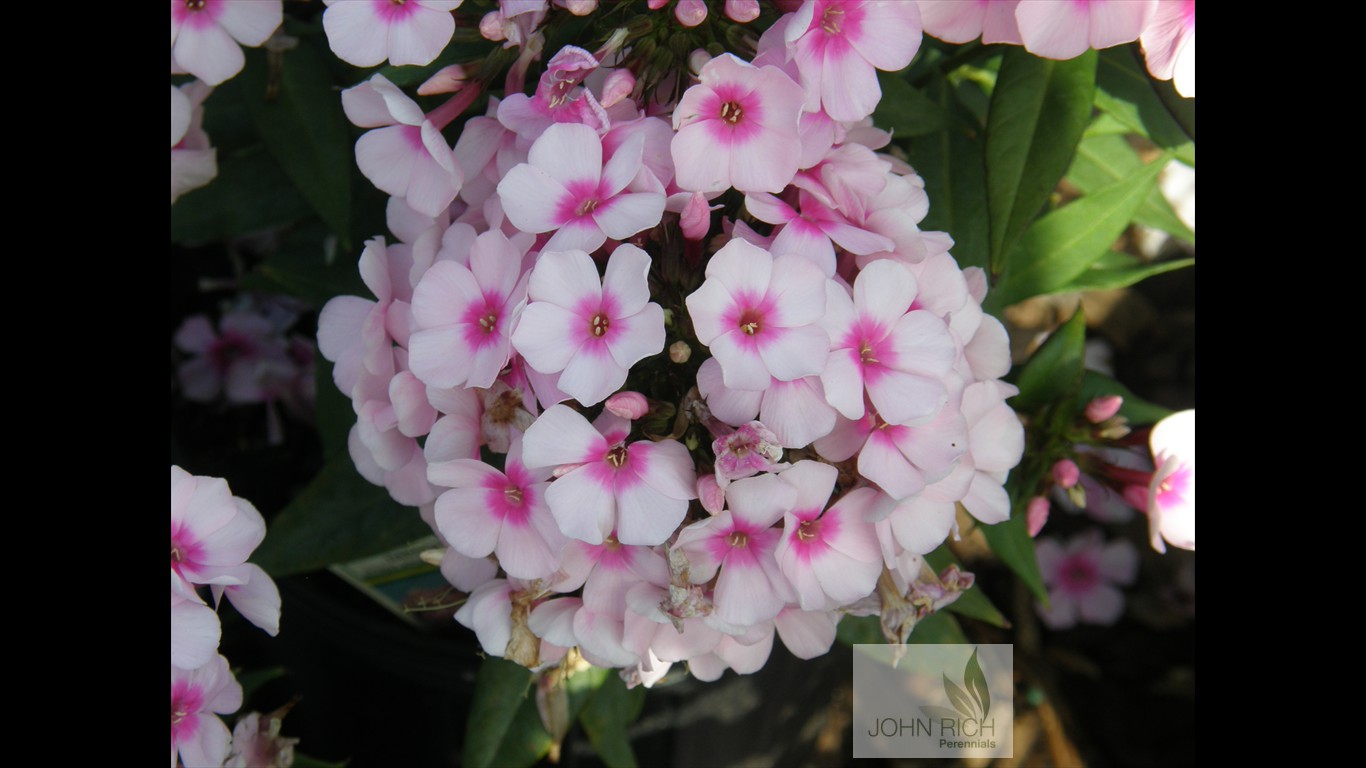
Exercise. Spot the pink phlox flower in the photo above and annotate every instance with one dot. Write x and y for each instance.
(247, 360)
(486, 151)
(655, 157)
(745, 654)
(833, 558)
(205, 34)
(736, 128)
(406, 155)
(256, 597)
(840, 44)
(212, 532)
(741, 543)
(463, 316)
(881, 341)
(559, 98)
(195, 630)
(641, 490)
(193, 162)
(502, 513)
(900, 459)
(796, 411)
(565, 187)
(608, 570)
(759, 315)
(810, 231)
(1169, 44)
(924, 520)
(197, 736)
(1171, 509)
(256, 741)
(996, 444)
(749, 450)
(365, 33)
(1082, 579)
(1066, 30)
(508, 411)
(962, 21)
(589, 332)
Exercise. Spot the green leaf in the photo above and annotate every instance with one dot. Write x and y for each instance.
(339, 517)
(500, 692)
(308, 264)
(1117, 270)
(1103, 160)
(1011, 542)
(1055, 370)
(253, 680)
(937, 629)
(1138, 411)
(332, 410)
(251, 193)
(904, 110)
(1039, 110)
(859, 630)
(976, 681)
(605, 718)
(1125, 91)
(298, 113)
(958, 698)
(951, 163)
(973, 603)
(525, 741)
(1061, 246)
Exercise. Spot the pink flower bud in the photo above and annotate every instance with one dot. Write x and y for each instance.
(446, 80)
(1036, 515)
(698, 59)
(1103, 408)
(1136, 496)
(628, 405)
(742, 10)
(696, 217)
(690, 13)
(679, 352)
(710, 494)
(492, 27)
(578, 7)
(618, 86)
(1066, 473)
(657, 4)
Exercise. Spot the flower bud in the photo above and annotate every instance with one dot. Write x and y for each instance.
(1103, 408)
(710, 494)
(628, 405)
(679, 352)
(1066, 473)
(742, 11)
(492, 27)
(690, 13)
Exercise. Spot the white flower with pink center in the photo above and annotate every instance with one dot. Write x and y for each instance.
(503, 513)
(589, 332)
(463, 316)
(1081, 579)
(205, 34)
(641, 490)
(881, 340)
(760, 314)
(840, 44)
(830, 559)
(366, 32)
(197, 735)
(565, 187)
(900, 459)
(741, 542)
(737, 128)
(1171, 506)
(795, 410)
(212, 532)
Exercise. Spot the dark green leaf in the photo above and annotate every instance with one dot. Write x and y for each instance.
(859, 630)
(1103, 160)
(308, 264)
(958, 698)
(937, 629)
(1125, 91)
(1054, 372)
(1039, 110)
(253, 680)
(605, 718)
(299, 116)
(339, 517)
(1138, 411)
(1062, 245)
(906, 111)
(972, 603)
(950, 161)
(500, 691)
(525, 741)
(976, 682)
(251, 193)
(1118, 270)
(1011, 542)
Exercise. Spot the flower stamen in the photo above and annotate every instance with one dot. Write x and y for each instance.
(599, 324)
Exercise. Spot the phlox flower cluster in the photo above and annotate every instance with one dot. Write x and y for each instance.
(831, 395)
(212, 535)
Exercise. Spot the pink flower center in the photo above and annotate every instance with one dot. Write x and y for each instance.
(738, 539)
(831, 19)
(867, 354)
(586, 207)
(732, 112)
(808, 530)
(599, 324)
(751, 322)
(489, 323)
(176, 555)
(194, 6)
(617, 457)
(513, 495)
(1078, 575)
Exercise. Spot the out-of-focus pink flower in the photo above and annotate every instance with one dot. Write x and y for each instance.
(1081, 579)
(1066, 473)
(205, 34)
(590, 333)
(1171, 506)
(736, 128)
(245, 360)
(1169, 44)
(1065, 30)
(257, 743)
(1103, 408)
(197, 736)
(366, 32)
